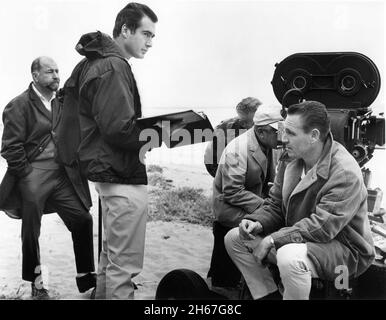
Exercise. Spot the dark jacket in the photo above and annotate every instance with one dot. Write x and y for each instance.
(28, 128)
(103, 92)
(327, 210)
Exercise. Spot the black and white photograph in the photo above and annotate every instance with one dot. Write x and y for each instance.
(211, 150)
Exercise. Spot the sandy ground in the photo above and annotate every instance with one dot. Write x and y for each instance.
(169, 246)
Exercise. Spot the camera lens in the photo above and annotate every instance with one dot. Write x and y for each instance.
(348, 83)
(299, 82)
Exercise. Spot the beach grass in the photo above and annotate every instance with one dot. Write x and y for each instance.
(180, 204)
(154, 168)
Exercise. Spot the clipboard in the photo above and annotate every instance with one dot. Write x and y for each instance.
(182, 125)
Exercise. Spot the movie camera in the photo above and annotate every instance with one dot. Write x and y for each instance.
(347, 83)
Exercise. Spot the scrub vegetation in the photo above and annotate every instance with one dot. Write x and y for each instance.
(181, 204)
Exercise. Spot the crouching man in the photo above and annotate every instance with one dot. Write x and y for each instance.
(315, 218)
(247, 166)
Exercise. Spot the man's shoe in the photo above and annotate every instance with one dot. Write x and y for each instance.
(86, 282)
(39, 294)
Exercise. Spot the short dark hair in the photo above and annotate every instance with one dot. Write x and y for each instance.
(36, 66)
(131, 15)
(314, 115)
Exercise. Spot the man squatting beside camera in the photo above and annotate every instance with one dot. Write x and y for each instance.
(247, 166)
(315, 218)
(30, 147)
(103, 87)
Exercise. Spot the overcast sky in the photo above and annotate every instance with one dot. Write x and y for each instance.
(207, 55)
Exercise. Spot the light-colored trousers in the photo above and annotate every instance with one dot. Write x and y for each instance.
(124, 215)
(296, 269)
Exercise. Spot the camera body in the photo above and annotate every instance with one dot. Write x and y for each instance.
(347, 83)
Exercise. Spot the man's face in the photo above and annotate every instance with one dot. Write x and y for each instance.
(48, 75)
(271, 137)
(296, 141)
(267, 136)
(137, 43)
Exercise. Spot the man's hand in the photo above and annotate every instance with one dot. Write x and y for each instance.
(262, 250)
(249, 229)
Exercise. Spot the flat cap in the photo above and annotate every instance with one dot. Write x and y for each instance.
(268, 115)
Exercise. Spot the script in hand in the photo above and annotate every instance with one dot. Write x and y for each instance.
(180, 128)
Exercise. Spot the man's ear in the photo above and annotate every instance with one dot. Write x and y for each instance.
(125, 31)
(259, 131)
(35, 76)
(315, 135)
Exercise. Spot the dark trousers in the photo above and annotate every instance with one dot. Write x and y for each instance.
(223, 271)
(51, 189)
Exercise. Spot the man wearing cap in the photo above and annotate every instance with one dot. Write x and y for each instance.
(241, 183)
(229, 129)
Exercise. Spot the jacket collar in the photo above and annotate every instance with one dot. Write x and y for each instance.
(255, 148)
(37, 103)
(41, 95)
(324, 163)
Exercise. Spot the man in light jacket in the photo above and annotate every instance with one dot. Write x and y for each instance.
(246, 167)
(314, 223)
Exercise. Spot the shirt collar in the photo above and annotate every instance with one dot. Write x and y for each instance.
(41, 96)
